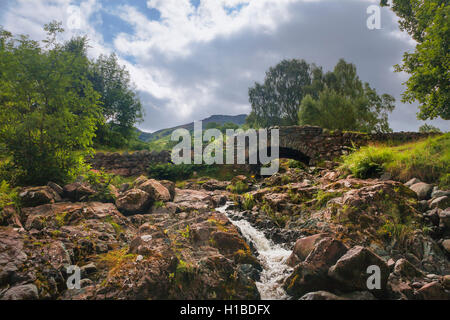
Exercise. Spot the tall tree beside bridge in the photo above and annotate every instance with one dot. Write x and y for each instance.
(428, 23)
(333, 100)
(275, 102)
(346, 103)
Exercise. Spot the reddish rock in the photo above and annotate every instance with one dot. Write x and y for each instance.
(303, 247)
(156, 190)
(169, 186)
(24, 292)
(227, 243)
(434, 291)
(405, 269)
(78, 191)
(32, 197)
(134, 201)
(312, 274)
(351, 269)
(321, 295)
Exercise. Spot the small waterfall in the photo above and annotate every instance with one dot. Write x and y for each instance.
(271, 256)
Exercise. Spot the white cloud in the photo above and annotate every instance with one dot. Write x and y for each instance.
(195, 62)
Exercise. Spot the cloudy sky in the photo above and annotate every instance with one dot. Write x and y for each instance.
(190, 59)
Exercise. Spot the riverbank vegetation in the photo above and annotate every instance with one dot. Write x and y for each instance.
(427, 160)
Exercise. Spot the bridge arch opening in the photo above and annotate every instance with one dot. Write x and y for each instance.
(293, 154)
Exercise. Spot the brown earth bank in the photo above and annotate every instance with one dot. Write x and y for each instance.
(157, 241)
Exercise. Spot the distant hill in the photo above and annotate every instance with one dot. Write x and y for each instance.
(220, 119)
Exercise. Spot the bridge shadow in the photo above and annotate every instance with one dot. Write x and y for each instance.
(285, 153)
(288, 153)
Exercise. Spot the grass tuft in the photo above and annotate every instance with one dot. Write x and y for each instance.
(427, 160)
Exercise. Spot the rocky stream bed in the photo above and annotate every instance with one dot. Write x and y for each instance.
(302, 234)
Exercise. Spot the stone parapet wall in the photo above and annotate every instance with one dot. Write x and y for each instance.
(313, 143)
(128, 164)
(319, 144)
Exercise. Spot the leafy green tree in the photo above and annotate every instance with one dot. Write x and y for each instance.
(48, 107)
(428, 23)
(346, 103)
(229, 126)
(276, 101)
(121, 107)
(212, 125)
(428, 128)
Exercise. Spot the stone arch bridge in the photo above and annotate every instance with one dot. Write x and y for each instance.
(308, 144)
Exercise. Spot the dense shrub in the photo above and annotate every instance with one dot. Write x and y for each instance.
(171, 171)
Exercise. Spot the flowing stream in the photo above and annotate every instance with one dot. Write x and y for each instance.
(271, 256)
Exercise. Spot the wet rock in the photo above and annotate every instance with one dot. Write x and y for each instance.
(134, 201)
(227, 243)
(24, 292)
(31, 197)
(351, 269)
(250, 271)
(423, 190)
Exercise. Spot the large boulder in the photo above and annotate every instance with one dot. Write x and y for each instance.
(56, 187)
(24, 292)
(312, 274)
(227, 243)
(170, 186)
(303, 247)
(78, 191)
(36, 196)
(134, 201)
(350, 271)
(155, 189)
(423, 190)
(193, 200)
(405, 269)
(412, 182)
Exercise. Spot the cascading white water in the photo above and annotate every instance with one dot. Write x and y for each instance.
(271, 256)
